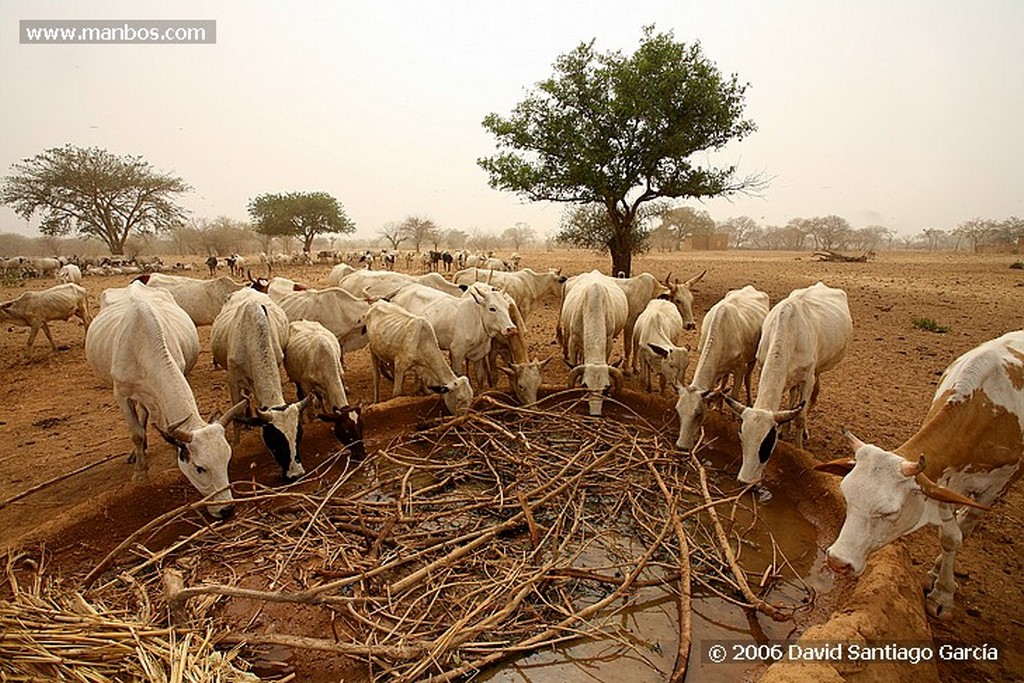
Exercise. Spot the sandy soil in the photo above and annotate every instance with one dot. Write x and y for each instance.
(59, 418)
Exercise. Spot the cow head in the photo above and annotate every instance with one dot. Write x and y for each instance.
(457, 395)
(679, 293)
(495, 314)
(885, 499)
(203, 457)
(348, 428)
(281, 428)
(598, 379)
(691, 406)
(758, 435)
(672, 361)
(525, 379)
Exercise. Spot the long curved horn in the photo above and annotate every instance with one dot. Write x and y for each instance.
(232, 413)
(945, 495)
(840, 467)
(736, 406)
(617, 379)
(784, 416)
(174, 433)
(574, 376)
(695, 279)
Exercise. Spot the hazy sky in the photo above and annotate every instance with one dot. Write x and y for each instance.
(905, 114)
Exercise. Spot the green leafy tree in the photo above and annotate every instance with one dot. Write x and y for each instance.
(590, 226)
(94, 193)
(619, 131)
(302, 215)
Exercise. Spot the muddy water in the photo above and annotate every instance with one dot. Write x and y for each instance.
(646, 641)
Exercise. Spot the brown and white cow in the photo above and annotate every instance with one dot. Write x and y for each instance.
(965, 455)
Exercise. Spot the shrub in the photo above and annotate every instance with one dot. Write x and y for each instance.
(930, 325)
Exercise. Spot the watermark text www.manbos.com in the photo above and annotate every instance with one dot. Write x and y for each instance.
(722, 651)
(118, 31)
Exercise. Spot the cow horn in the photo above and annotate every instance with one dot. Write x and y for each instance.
(855, 443)
(304, 403)
(840, 467)
(574, 376)
(784, 416)
(736, 406)
(617, 379)
(174, 433)
(912, 469)
(945, 495)
(695, 279)
(233, 412)
(668, 279)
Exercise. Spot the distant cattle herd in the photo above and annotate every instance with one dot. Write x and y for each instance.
(451, 328)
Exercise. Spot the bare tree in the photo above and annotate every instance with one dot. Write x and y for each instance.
(519, 235)
(419, 230)
(975, 231)
(392, 232)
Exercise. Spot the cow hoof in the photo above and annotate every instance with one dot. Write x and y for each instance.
(939, 606)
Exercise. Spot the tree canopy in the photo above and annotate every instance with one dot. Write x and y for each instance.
(94, 193)
(619, 131)
(299, 214)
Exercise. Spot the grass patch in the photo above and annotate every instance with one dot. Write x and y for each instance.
(929, 325)
(1017, 265)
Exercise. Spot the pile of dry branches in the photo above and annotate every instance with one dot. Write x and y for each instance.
(459, 546)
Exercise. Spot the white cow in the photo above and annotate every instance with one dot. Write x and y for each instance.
(377, 284)
(803, 336)
(464, 325)
(201, 299)
(679, 293)
(313, 362)
(967, 453)
(339, 273)
(407, 344)
(69, 273)
(279, 287)
(526, 286)
(729, 335)
(142, 344)
(334, 308)
(594, 311)
(248, 338)
(656, 349)
(35, 309)
(524, 374)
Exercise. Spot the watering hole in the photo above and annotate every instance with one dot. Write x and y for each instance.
(527, 545)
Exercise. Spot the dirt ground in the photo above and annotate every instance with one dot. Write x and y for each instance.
(58, 418)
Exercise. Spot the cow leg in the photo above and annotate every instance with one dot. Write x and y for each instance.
(136, 415)
(375, 371)
(746, 373)
(629, 358)
(399, 380)
(940, 597)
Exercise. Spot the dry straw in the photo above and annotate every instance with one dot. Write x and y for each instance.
(459, 546)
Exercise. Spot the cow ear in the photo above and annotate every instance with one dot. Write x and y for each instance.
(662, 352)
(840, 467)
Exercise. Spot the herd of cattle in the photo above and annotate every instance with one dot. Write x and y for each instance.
(143, 341)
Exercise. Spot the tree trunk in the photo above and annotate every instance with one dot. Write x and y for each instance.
(621, 249)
